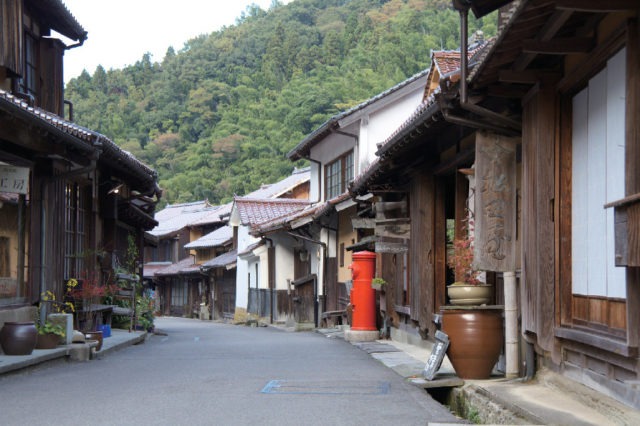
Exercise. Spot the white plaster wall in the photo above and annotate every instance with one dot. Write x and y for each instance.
(284, 260)
(380, 124)
(330, 148)
(314, 186)
(242, 294)
(263, 266)
(251, 266)
(243, 267)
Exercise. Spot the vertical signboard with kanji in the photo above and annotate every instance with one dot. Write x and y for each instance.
(495, 203)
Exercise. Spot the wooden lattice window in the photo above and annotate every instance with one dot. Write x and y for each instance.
(338, 174)
(75, 230)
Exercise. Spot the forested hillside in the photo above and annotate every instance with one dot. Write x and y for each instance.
(218, 116)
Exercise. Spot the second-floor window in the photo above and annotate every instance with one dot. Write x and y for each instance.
(338, 174)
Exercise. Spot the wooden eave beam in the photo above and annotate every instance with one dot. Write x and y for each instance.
(559, 46)
(502, 91)
(453, 163)
(520, 77)
(597, 6)
(547, 32)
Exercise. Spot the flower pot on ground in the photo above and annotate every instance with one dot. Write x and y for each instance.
(49, 334)
(94, 335)
(475, 340)
(47, 341)
(18, 338)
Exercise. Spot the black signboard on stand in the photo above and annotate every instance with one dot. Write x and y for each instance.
(437, 355)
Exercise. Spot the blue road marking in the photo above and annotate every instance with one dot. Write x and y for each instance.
(291, 387)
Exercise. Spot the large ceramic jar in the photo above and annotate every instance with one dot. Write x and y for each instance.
(18, 338)
(475, 340)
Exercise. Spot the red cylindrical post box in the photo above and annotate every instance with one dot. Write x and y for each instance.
(363, 297)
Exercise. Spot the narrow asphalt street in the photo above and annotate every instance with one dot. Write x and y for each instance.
(209, 373)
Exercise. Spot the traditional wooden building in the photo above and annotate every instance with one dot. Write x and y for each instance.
(169, 267)
(339, 150)
(559, 86)
(75, 201)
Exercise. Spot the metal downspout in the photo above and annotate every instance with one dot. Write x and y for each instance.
(464, 93)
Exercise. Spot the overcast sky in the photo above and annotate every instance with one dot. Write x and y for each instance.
(121, 31)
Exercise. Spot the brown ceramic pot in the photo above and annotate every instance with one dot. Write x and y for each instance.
(18, 338)
(94, 335)
(476, 338)
(47, 341)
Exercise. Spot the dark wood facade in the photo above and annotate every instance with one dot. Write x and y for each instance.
(84, 195)
(533, 76)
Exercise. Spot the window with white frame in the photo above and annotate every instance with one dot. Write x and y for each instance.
(338, 174)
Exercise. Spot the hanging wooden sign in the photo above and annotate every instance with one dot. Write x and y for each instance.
(495, 203)
(14, 179)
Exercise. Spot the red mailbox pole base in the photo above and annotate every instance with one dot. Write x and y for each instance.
(361, 335)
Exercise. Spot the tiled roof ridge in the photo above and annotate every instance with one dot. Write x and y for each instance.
(516, 7)
(272, 200)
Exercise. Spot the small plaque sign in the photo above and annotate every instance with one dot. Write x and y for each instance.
(14, 179)
(437, 355)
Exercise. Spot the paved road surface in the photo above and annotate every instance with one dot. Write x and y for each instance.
(208, 373)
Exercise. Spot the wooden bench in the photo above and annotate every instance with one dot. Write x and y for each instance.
(331, 317)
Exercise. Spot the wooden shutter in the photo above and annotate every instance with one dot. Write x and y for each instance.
(12, 36)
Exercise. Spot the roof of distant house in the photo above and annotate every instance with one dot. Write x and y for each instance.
(280, 188)
(222, 261)
(219, 237)
(173, 218)
(315, 211)
(274, 190)
(251, 247)
(253, 212)
(151, 268)
(314, 137)
(221, 214)
(177, 268)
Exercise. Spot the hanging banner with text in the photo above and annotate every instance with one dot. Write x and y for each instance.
(14, 179)
(495, 203)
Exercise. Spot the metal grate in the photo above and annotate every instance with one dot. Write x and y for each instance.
(327, 387)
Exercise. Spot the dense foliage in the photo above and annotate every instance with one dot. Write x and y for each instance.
(218, 116)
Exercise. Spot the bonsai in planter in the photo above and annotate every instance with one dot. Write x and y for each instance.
(469, 290)
(475, 332)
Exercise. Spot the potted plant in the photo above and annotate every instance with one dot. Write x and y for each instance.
(378, 284)
(468, 290)
(474, 329)
(49, 334)
(88, 294)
